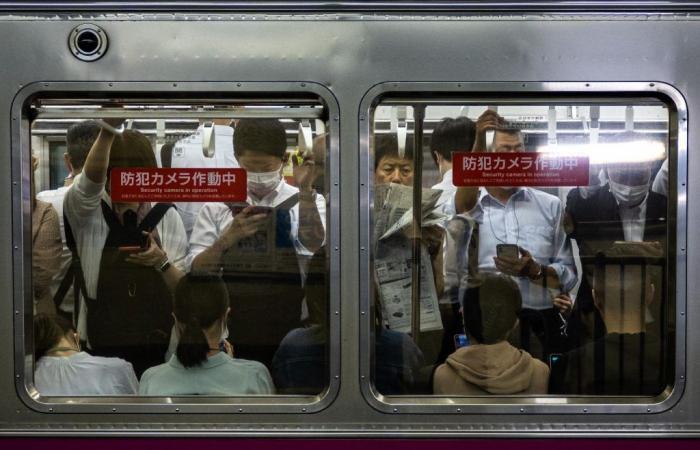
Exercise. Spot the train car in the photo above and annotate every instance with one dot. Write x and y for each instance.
(391, 220)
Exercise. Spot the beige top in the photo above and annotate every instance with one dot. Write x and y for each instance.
(491, 369)
(46, 254)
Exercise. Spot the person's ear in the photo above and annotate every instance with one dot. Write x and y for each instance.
(67, 163)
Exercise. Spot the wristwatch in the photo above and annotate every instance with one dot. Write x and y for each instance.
(164, 267)
(540, 272)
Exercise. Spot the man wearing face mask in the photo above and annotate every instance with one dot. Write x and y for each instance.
(625, 209)
(267, 304)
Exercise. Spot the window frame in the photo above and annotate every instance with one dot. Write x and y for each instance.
(22, 252)
(486, 93)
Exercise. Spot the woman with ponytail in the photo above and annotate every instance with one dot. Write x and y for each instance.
(203, 363)
(63, 370)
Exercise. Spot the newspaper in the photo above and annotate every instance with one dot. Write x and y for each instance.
(394, 257)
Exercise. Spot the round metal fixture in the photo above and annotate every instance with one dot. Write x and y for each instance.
(88, 42)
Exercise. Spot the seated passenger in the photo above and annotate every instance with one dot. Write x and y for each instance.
(491, 365)
(203, 363)
(63, 370)
(262, 247)
(628, 359)
(300, 364)
(131, 256)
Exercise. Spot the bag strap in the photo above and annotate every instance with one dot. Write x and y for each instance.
(76, 271)
(154, 216)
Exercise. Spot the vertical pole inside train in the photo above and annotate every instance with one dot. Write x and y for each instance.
(418, 116)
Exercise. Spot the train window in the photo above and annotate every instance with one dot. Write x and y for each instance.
(522, 250)
(178, 250)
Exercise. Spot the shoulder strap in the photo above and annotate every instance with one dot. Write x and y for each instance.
(75, 272)
(289, 203)
(154, 216)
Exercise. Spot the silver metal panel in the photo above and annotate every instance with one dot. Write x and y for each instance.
(349, 53)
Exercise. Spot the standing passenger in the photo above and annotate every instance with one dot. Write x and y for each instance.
(203, 363)
(131, 254)
(262, 248)
(531, 220)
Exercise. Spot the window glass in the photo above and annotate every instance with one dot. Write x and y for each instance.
(539, 258)
(183, 250)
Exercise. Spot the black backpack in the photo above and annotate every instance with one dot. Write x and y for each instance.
(131, 316)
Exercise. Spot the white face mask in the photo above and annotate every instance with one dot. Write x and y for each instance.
(628, 195)
(262, 183)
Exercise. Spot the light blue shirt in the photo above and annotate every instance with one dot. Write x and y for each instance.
(533, 220)
(218, 375)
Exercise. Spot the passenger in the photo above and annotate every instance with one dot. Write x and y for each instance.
(62, 369)
(46, 250)
(628, 359)
(624, 209)
(300, 364)
(398, 361)
(660, 185)
(450, 135)
(532, 221)
(203, 363)
(79, 138)
(187, 153)
(128, 291)
(264, 251)
(490, 364)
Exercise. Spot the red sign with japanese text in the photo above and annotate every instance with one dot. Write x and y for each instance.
(138, 184)
(519, 169)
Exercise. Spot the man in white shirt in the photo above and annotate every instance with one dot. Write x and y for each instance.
(450, 135)
(229, 238)
(187, 153)
(79, 139)
(532, 221)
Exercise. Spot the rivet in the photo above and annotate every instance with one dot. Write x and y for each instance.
(240, 409)
(336, 313)
(177, 409)
(396, 410)
(648, 409)
(459, 85)
(111, 84)
(682, 377)
(16, 312)
(238, 84)
(522, 410)
(652, 84)
(114, 409)
(15, 183)
(50, 409)
(588, 84)
(335, 184)
(362, 248)
(16, 375)
(303, 409)
(336, 249)
(336, 118)
(362, 117)
(363, 313)
(585, 410)
(362, 377)
(337, 377)
(17, 411)
(174, 84)
(303, 85)
(682, 313)
(46, 84)
(16, 248)
(459, 409)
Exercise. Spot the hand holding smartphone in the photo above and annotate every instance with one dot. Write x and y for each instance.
(510, 251)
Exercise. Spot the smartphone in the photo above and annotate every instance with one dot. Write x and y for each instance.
(507, 251)
(131, 249)
(461, 340)
(553, 358)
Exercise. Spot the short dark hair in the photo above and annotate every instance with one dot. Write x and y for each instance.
(491, 308)
(200, 300)
(387, 145)
(266, 136)
(452, 135)
(79, 139)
